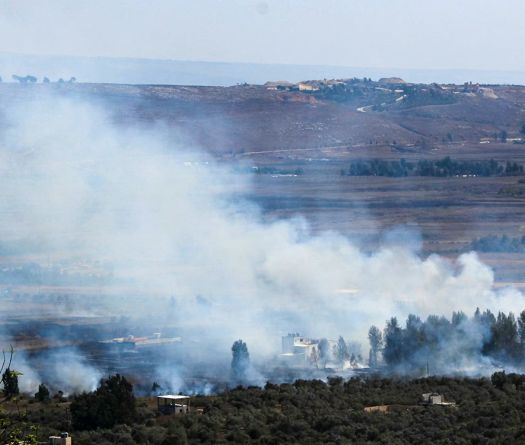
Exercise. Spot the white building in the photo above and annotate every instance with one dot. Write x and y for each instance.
(173, 404)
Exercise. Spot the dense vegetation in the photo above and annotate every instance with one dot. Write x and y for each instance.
(448, 345)
(512, 191)
(113, 402)
(445, 167)
(380, 97)
(277, 171)
(488, 411)
(503, 243)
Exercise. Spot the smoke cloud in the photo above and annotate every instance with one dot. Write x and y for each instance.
(164, 220)
(64, 370)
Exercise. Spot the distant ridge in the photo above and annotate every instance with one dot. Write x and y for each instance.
(178, 72)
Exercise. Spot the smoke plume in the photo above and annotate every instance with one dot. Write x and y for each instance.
(164, 220)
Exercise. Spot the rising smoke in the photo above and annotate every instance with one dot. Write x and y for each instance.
(166, 220)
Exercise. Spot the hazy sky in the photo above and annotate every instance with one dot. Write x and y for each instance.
(450, 34)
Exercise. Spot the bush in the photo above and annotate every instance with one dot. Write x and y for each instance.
(42, 395)
(10, 381)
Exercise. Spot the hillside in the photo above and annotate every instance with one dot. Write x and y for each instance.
(337, 121)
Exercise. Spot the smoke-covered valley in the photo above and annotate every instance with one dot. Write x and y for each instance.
(152, 228)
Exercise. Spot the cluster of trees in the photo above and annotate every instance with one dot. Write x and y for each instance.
(43, 395)
(340, 353)
(442, 168)
(446, 346)
(511, 191)
(32, 79)
(345, 92)
(112, 403)
(378, 167)
(417, 96)
(503, 243)
(24, 79)
(10, 382)
(513, 169)
(380, 96)
(9, 376)
(275, 171)
(489, 410)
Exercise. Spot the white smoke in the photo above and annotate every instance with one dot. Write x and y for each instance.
(70, 373)
(29, 378)
(65, 371)
(167, 220)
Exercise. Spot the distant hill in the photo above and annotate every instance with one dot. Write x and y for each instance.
(177, 72)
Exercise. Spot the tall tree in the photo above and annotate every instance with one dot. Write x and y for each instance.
(393, 350)
(521, 331)
(9, 376)
(413, 337)
(376, 341)
(240, 360)
(324, 351)
(342, 350)
(10, 382)
(314, 357)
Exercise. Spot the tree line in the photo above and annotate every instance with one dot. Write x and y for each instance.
(445, 167)
(265, 170)
(503, 243)
(440, 345)
(29, 78)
